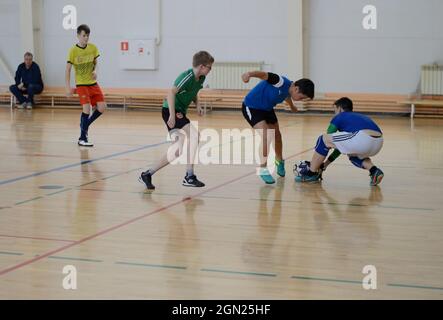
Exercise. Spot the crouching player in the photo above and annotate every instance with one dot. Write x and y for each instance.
(350, 133)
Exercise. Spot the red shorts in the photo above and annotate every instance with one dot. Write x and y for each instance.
(90, 94)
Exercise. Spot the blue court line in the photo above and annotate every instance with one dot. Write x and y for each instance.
(151, 265)
(3, 182)
(36, 174)
(413, 286)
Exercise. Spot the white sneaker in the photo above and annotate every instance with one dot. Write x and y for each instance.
(84, 143)
(29, 106)
(21, 106)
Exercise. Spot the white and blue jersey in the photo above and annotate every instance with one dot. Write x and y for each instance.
(353, 122)
(268, 93)
(352, 139)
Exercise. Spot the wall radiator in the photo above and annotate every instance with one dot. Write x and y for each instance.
(432, 79)
(227, 75)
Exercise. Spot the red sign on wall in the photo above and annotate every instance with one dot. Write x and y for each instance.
(124, 46)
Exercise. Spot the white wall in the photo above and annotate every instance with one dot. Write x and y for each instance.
(10, 45)
(247, 30)
(343, 57)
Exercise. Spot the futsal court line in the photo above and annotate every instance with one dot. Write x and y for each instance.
(185, 199)
(34, 238)
(61, 168)
(130, 221)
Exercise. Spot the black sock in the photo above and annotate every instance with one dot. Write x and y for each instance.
(94, 117)
(84, 126)
(310, 173)
(372, 170)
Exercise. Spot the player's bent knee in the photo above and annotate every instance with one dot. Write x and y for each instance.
(321, 147)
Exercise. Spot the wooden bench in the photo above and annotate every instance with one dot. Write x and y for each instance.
(426, 103)
(232, 99)
(375, 103)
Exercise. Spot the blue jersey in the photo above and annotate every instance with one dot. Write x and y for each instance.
(265, 96)
(353, 122)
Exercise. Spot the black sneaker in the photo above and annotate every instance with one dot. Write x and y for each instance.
(146, 178)
(376, 177)
(192, 181)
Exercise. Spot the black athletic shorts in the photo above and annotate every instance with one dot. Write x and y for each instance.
(254, 116)
(180, 119)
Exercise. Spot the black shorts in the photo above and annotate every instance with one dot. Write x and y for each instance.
(254, 116)
(180, 121)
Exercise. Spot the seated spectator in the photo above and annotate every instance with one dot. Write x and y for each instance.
(28, 81)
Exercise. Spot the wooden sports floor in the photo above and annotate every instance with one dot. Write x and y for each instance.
(234, 239)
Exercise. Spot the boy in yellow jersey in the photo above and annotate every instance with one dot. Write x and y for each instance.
(83, 56)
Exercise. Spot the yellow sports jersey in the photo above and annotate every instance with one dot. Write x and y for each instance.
(83, 61)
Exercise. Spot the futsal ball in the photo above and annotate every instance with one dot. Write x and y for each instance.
(302, 168)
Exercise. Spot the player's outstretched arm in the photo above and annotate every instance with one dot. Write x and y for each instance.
(254, 74)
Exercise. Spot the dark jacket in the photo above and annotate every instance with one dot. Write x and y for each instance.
(28, 76)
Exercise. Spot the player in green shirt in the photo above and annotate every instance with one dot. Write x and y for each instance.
(175, 107)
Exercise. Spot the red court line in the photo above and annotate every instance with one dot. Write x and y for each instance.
(34, 238)
(125, 223)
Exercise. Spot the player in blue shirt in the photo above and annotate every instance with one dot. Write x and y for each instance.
(258, 110)
(350, 133)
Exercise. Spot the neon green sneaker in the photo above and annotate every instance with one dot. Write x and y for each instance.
(280, 164)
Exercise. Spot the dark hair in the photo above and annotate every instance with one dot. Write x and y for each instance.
(83, 27)
(345, 103)
(202, 57)
(28, 54)
(306, 87)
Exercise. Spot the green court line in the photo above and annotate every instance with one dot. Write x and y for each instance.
(11, 253)
(21, 202)
(368, 205)
(75, 259)
(341, 204)
(120, 174)
(151, 265)
(325, 279)
(276, 200)
(241, 272)
(85, 184)
(156, 193)
(216, 197)
(135, 169)
(405, 208)
(101, 190)
(114, 175)
(413, 286)
(60, 191)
